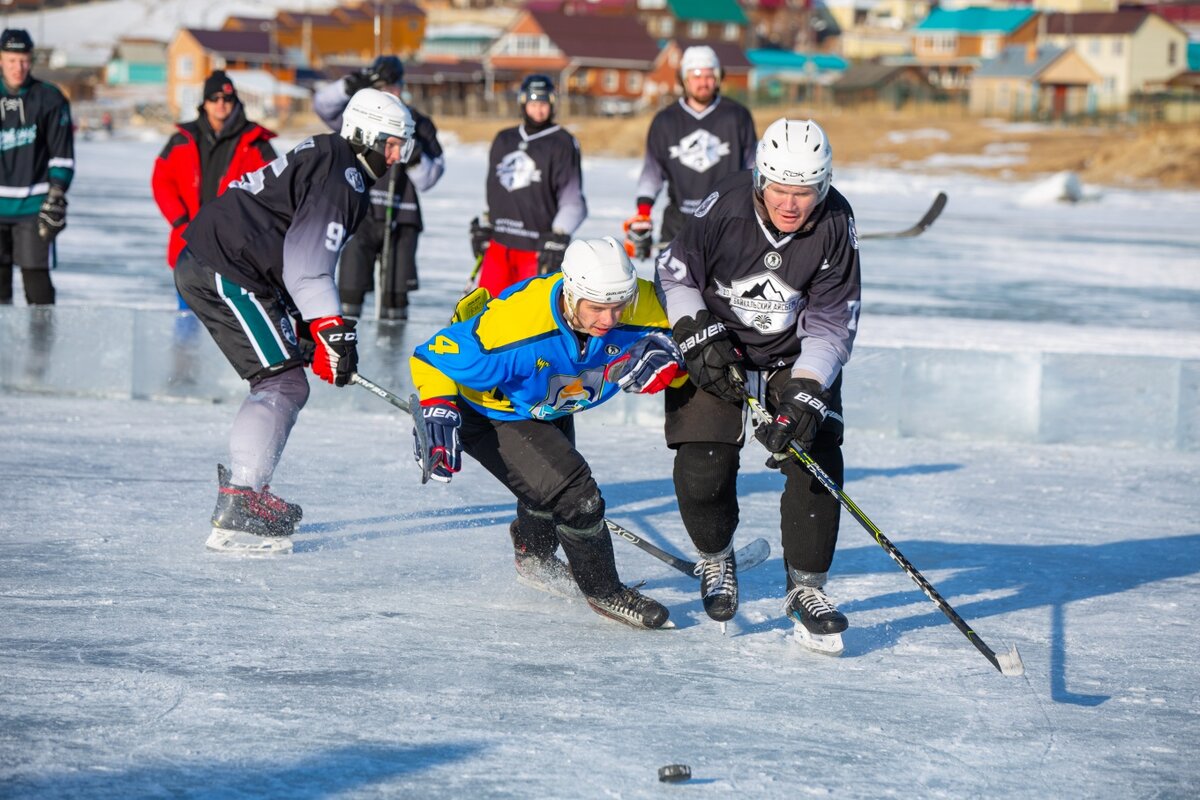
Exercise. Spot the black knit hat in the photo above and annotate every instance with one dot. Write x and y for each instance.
(218, 83)
(16, 40)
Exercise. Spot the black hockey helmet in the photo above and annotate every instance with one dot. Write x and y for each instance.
(16, 40)
(386, 71)
(537, 87)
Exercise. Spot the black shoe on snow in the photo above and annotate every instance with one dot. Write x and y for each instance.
(242, 509)
(631, 607)
(813, 609)
(718, 584)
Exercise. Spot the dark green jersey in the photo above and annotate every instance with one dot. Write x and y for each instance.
(37, 147)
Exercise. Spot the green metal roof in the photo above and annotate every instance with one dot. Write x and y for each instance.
(1193, 53)
(787, 60)
(708, 11)
(976, 20)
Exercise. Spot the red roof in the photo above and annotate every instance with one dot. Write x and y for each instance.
(1096, 23)
(598, 38)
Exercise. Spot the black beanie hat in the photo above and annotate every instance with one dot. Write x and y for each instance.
(218, 82)
(16, 40)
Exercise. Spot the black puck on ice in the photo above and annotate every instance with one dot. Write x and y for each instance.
(674, 773)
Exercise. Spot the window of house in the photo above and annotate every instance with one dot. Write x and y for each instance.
(1110, 86)
(611, 80)
(633, 82)
(731, 32)
(1118, 47)
(668, 26)
(698, 30)
(184, 65)
(990, 47)
(1094, 47)
(1172, 53)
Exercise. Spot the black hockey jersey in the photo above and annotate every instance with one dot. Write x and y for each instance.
(791, 299)
(421, 172)
(534, 186)
(692, 150)
(283, 226)
(37, 147)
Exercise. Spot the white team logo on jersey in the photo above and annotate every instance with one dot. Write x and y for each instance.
(354, 178)
(763, 302)
(706, 204)
(518, 171)
(699, 151)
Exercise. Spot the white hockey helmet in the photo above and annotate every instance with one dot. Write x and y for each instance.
(699, 57)
(794, 152)
(372, 116)
(597, 270)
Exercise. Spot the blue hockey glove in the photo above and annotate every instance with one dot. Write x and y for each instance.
(648, 366)
(443, 457)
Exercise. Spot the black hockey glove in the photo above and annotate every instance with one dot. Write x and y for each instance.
(713, 358)
(336, 358)
(803, 406)
(481, 235)
(53, 216)
(648, 366)
(550, 257)
(442, 421)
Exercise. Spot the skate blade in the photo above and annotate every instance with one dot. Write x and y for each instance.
(827, 644)
(241, 543)
(556, 588)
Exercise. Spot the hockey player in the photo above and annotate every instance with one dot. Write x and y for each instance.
(265, 251)
(534, 194)
(691, 146)
(395, 216)
(762, 289)
(504, 386)
(205, 155)
(37, 163)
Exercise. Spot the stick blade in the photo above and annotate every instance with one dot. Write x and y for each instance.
(422, 438)
(1010, 663)
(753, 554)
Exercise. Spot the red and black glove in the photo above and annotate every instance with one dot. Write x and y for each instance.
(639, 235)
(648, 366)
(336, 356)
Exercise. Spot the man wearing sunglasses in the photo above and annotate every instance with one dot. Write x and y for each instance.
(205, 155)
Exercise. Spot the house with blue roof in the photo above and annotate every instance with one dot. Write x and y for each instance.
(1035, 82)
(782, 75)
(949, 45)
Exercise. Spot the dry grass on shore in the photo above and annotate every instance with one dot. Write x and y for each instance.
(1164, 156)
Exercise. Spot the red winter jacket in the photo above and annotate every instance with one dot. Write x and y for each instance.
(176, 179)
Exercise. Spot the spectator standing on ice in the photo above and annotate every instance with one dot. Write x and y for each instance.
(37, 163)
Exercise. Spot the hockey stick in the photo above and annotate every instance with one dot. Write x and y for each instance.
(747, 557)
(931, 215)
(1007, 663)
(413, 407)
(384, 275)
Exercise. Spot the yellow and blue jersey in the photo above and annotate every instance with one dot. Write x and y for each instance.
(518, 358)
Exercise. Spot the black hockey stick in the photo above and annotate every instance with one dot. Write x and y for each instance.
(932, 214)
(1008, 663)
(413, 407)
(747, 557)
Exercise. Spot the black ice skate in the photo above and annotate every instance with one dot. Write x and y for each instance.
(631, 607)
(251, 522)
(718, 583)
(819, 625)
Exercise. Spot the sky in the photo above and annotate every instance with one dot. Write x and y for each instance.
(393, 654)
